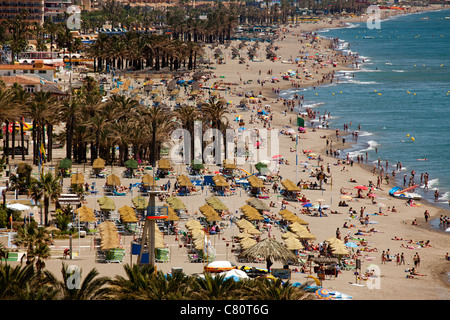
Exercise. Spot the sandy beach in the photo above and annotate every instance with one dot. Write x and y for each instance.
(256, 77)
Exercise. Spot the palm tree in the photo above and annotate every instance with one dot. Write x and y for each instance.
(215, 111)
(91, 288)
(144, 283)
(14, 279)
(33, 238)
(187, 115)
(20, 98)
(268, 289)
(51, 190)
(6, 113)
(213, 288)
(41, 108)
(69, 112)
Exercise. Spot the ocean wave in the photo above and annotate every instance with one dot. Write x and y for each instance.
(359, 82)
(364, 133)
(372, 144)
(433, 183)
(313, 105)
(398, 70)
(445, 196)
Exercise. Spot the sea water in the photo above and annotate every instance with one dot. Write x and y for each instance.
(399, 95)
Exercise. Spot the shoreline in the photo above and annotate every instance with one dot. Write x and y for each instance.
(425, 195)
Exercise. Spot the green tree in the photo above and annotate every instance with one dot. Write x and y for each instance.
(51, 190)
(34, 239)
(92, 287)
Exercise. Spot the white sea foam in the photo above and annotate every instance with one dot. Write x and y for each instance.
(433, 183)
(398, 70)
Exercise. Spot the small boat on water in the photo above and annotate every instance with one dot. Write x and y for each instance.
(425, 18)
(367, 37)
(447, 18)
(399, 192)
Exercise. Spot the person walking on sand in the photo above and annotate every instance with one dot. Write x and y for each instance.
(402, 258)
(427, 215)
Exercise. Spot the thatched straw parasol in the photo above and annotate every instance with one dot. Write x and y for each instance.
(184, 181)
(77, 178)
(269, 249)
(106, 204)
(86, 214)
(251, 213)
(172, 215)
(290, 186)
(140, 202)
(113, 180)
(109, 237)
(216, 204)
(210, 213)
(148, 180)
(219, 181)
(98, 164)
(176, 203)
(293, 244)
(127, 214)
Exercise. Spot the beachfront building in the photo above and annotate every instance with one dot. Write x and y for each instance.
(37, 68)
(10, 9)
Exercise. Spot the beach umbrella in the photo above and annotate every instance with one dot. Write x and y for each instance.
(293, 243)
(52, 228)
(323, 294)
(76, 178)
(307, 205)
(269, 249)
(361, 187)
(127, 214)
(139, 202)
(131, 164)
(113, 180)
(172, 215)
(109, 237)
(85, 214)
(247, 243)
(98, 164)
(351, 244)
(339, 250)
(65, 164)
(106, 204)
(148, 180)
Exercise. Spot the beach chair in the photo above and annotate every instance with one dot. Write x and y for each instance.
(115, 193)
